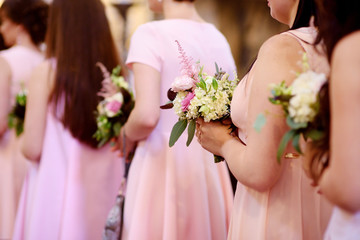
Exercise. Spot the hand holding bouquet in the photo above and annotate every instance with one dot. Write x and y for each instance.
(195, 94)
(114, 110)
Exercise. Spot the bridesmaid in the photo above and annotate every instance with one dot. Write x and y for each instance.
(272, 201)
(23, 27)
(179, 192)
(76, 184)
(339, 27)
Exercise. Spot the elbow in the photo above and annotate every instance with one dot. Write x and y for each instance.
(262, 186)
(31, 153)
(259, 182)
(347, 198)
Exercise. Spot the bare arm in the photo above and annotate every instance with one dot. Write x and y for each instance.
(255, 165)
(146, 112)
(39, 88)
(5, 94)
(341, 182)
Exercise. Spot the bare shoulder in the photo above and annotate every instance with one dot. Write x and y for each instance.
(43, 74)
(348, 49)
(4, 67)
(281, 44)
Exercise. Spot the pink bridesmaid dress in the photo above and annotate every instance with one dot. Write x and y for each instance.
(176, 193)
(13, 166)
(68, 195)
(292, 209)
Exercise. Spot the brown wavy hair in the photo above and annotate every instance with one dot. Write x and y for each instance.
(31, 14)
(79, 36)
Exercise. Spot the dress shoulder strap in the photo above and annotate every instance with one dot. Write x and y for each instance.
(306, 38)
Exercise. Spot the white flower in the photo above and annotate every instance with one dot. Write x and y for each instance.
(304, 90)
(182, 83)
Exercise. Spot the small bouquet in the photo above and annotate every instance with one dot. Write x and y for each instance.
(196, 94)
(114, 110)
(17, 115)
(300, 103)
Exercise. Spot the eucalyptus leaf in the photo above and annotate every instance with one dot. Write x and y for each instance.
(259, 122)
(217, 68)
(284, 142)
(294, 125)
(176, 131)
(191, 131)
(296, 141)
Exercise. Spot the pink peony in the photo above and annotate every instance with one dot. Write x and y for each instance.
(182, 83)
(113, 106)
(186, 102)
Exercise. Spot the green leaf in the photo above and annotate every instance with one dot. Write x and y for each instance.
(284, 142)
(259, 122)
(102, 142)
(215, 84)
(176, 131)
(202, 84)
(217, 68)
(116, 128)
(191, 131)
(294, 125)
(315, 135)
(295, 143)
(218, 159)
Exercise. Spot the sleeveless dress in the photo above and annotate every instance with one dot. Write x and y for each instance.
(13, 165)
(292, 209)
(68, 195)
(343, 225)
(176, 193)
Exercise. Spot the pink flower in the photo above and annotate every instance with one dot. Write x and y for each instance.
(186, 102)
(182, 83)
(114, 104)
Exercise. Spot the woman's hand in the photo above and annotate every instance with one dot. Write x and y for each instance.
(212, 135)
(125, 145)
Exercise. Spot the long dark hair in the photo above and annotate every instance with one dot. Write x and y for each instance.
(305, 11)
(31, 14)
(337, 18)
(79, 36)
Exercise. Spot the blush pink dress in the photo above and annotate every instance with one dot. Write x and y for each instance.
(68, 195)
(292, 209)
(343, 225)
(13, 165)
(176, 193)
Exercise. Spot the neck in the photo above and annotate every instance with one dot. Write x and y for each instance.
(292, 16)
(182, 10)
(25, 41)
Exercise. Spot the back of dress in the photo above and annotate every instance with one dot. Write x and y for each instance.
(178, 192)
(68, 195)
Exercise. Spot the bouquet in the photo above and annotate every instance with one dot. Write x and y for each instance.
(196, 94)
(17, 115)
(300, 104)
(114, 110)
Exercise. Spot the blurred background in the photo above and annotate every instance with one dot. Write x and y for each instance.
(245, 23)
